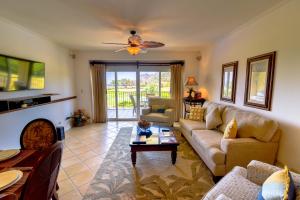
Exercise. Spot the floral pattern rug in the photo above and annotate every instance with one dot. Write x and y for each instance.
(154, 176)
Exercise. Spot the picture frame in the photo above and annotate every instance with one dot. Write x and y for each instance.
(259, 81)
(229, 79)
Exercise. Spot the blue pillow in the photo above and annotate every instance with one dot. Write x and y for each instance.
(276, 185)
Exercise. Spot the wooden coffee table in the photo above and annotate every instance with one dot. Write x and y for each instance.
(157, 141)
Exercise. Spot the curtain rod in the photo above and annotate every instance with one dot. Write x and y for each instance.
(139, 63)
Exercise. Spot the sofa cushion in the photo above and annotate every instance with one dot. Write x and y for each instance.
(250, 124)
(156, 117)
(228, 114)
(209, 106)
(190, 125)
(231, 129)
(158, 108)
(213, 119)
(207, 138)
(196, 113)
(168, 103)
(209, 141)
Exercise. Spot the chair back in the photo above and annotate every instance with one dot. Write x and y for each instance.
(169, 103)
(132, 100)
(38, 135)
(41, 184)
(8, 196)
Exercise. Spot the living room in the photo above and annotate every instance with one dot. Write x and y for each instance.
(170, 52)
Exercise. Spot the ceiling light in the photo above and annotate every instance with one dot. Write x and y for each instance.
(133, 50)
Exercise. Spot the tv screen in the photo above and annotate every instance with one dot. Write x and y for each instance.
(20, 74)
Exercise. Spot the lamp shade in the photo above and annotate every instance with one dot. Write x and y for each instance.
(191, 81)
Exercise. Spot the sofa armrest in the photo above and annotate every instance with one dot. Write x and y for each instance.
(240, 151)
(170, 112)
(146, 111)
(223, 197)
(240, 171)
(258, 172)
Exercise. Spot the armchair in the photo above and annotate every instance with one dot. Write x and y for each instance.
(245, 183)
(167, 117)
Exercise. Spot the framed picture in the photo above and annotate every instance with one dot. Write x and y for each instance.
(259, 81)
(229, 78)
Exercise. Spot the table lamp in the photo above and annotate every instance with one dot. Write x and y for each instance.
(191, 81)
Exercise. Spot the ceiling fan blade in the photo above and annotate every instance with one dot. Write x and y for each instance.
(122, 49)
(152, 44)
(114, 43)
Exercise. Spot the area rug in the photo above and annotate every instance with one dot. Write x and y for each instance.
(154, 176)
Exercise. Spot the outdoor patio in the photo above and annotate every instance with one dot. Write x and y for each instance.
(122, 112)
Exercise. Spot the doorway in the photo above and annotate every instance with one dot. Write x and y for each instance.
(129, 87)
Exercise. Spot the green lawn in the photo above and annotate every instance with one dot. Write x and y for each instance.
(124, 96)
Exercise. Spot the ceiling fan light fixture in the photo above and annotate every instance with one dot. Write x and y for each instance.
(133, 50)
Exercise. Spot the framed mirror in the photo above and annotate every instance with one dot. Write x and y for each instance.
(229, 78)
(259, 81)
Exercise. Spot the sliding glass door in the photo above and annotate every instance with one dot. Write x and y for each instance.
(121, 95)
(129, 87)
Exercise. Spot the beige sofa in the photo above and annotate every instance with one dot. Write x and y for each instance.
(245, 184)
(257, 139)
(166, 118)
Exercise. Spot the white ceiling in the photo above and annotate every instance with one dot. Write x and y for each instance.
(180, 24)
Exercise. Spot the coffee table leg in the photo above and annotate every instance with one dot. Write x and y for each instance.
(174, 156)
(133, 157)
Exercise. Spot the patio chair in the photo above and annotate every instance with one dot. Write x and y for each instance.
(133, 103)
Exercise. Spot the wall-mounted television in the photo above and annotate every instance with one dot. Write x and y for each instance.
(21, 74)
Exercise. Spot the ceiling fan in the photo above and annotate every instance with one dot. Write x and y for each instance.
(136, 45)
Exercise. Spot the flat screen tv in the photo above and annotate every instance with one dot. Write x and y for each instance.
(21, 74)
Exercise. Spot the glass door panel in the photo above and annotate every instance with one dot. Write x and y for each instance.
(111, 95)
(165, 85)
(149, 86)
(126, 98)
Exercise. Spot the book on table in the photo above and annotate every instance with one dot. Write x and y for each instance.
(167, 140)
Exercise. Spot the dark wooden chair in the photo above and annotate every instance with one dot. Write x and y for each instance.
(41, 184)
(8, 196)
(38, 135)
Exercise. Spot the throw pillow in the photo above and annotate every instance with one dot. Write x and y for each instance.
(158, 108)
(231, 129)
(213, 119)
(196, 113)
(279, 185)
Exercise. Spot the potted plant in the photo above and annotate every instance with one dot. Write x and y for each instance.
(79, 118)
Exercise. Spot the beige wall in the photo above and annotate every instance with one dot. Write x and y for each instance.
(20, 42)
(83, 74)
(278, 30)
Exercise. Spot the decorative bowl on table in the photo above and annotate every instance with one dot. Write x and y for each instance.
(144, 128)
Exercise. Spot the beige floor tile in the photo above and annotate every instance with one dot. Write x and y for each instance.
(67, 154)
(84, 151)
(86, 155)
(62, 175)
(69, 162)
(97, 160)
(81, 150)
(65, 187)
(82, 189)
(76, 168)
(82, 178)
(73, 195)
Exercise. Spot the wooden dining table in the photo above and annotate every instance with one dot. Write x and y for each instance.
(24, 161)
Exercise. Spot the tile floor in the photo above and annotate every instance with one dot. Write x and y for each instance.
(84, 150)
